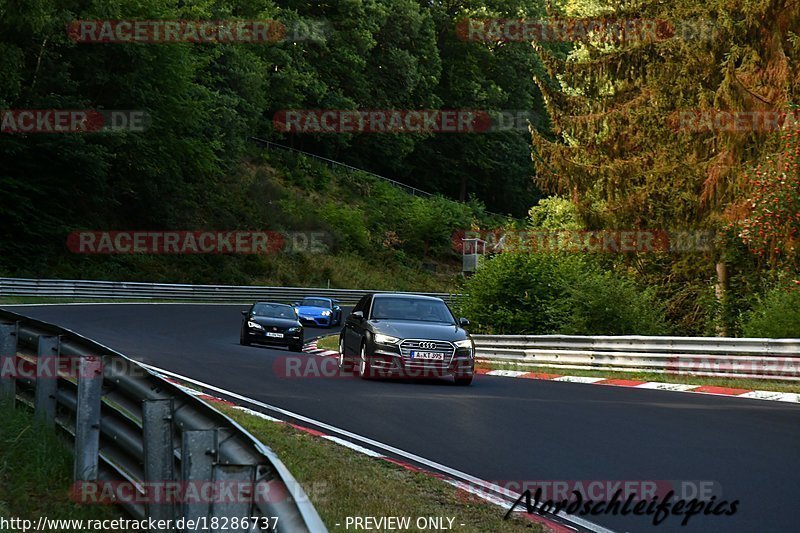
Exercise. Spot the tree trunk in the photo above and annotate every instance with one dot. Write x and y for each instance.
(721, 293)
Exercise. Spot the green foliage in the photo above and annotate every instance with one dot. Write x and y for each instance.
(619, 149)
(512, 294)
(554, 213)
(427, 225)
(550, 293)
(205, 100)
(373, 217)
(349, 226)
(776, 315)
(602, 303)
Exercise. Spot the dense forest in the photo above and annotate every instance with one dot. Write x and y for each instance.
(205, 100)
(605, 144)
(643, 137)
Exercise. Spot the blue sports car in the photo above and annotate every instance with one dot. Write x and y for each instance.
(318, 311)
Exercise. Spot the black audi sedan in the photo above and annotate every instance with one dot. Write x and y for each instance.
(272, 323)
(406, 335)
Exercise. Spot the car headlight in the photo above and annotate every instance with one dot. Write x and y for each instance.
(326, 312)
(466, 343)
(294, 329)
(385, 339)
(254, 325)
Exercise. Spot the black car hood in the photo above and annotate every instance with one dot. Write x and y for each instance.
(409, 329)
(270, 321)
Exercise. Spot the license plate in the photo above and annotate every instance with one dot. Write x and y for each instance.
(276, 335)
(431, 356)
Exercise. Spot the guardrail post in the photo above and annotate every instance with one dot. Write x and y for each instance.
(8, 361)
(159, 458)
(198, 457)
(87, 418)
(240, 478)
(47, 378)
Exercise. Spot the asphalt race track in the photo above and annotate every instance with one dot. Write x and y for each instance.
(498, 429)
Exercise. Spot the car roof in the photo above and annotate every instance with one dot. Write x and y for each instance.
(317, 298)
(401, 295)
(272, 303)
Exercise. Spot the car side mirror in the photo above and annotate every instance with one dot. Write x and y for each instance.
(463, 322)
(245, 313)
(295, 304)
(358, 315)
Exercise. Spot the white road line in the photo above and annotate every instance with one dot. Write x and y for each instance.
(356, 447)
(258, 414)
(452, 472)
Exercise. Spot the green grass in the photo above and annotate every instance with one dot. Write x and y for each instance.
(36, 472)
(328, 342)
(736, 383)
(341, 482)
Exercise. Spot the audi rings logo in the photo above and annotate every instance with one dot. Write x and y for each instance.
(428, 345)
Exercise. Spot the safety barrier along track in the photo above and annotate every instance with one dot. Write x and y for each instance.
(130, 425)
(124, 290)
(703, 356)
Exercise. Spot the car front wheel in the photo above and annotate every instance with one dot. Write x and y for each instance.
(364, 367)
(243, 338)
(343, 364)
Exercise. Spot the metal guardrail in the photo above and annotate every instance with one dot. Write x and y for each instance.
(704, 356)
(123, 290)
(131, 426)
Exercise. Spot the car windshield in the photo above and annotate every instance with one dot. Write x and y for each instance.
(274, 311)
(316, 302)
(417, 309)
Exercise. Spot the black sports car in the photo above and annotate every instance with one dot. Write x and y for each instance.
(271, 323)
(407, 335)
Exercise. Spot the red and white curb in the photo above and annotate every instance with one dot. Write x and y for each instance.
(790, 397)
(312, 348)
(468, 489)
